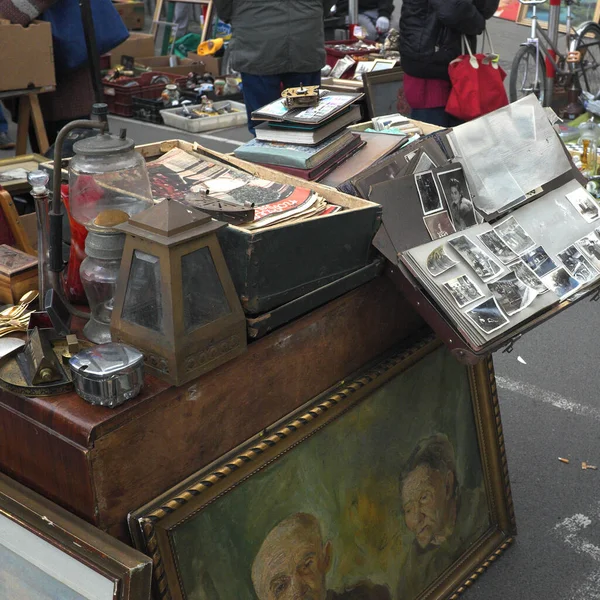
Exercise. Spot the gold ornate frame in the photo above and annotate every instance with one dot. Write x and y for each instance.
(151, 525)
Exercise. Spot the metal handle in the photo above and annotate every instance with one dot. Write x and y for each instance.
(528, 2)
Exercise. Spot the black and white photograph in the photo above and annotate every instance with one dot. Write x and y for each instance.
(484, 266)
(488, 316)
(497, 247)
(585, 204)
(561, 283)
(458, 198)
(577, 264)
(538, 261)
(590, 245)
(429, 194)
(424, 163)
(439, 262)
(512, 294)
(528, 277)
(463, 290)
(439, 225)
(514, 236)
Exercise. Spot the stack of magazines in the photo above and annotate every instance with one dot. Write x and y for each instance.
(305, 142)
(196, 181)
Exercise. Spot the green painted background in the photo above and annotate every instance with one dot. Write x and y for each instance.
(347, 476)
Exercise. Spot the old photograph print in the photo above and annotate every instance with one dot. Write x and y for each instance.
(463, 290)
(366, 508)
(488, 316)
(439, 262)
(528, 277)
(585, 204)
(484, 265)
(514, 236)
(439, 225)
(429, 194)
(577, 264)
(538, 261)
(590, 245)
(512, 294)
(561, 283)
(497, 247)
(458, 198)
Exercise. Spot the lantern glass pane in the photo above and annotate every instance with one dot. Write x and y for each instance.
(204, 299)
(143, 298)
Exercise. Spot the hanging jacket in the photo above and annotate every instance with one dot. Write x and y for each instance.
(430, 33)
(270, 37)
(385, 8)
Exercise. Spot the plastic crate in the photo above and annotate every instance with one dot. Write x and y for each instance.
(119, 96)
(196, 97)
(148, 110)
(171, 118)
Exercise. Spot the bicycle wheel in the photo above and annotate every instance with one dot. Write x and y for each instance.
(588, 44)
(522, 75)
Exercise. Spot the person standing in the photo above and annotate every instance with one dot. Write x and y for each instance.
(373, 16)
(5, 142)
(430, 38)
(275, 44)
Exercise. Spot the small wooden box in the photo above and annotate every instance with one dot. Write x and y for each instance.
(18, 274)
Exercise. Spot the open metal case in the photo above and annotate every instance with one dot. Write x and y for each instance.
(516, 168)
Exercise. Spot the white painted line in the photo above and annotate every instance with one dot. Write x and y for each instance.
(589, 590)
(570, 530)
(535, 393)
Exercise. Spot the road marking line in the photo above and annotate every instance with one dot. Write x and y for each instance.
(535, 393)
(572, 527)
(590, 590)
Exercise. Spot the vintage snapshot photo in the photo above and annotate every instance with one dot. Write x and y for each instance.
(431, 201)
(528, 277)
(458, 198)
(577, 264)
(424, 163)
(561, 283)
(439, 262)
(484, 266)
(585, 204)
(538, 261)
(497, 247)
(514, 236)
(488, 316)
(512, 294)
(439, 225)
(590, 244)
(463, 290)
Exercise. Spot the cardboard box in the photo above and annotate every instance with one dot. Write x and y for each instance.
(132, 14)
(136, 45)
(161, 64)
(211, 63)
(27, 56)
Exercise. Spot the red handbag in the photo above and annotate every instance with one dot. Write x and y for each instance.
(477, 84)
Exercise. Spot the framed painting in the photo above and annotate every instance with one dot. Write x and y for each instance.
(47, 553)
(14, 171)
(394, 485)
(385, 92)
(582, 11)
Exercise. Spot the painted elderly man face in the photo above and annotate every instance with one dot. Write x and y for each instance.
(292, 562)
(426, 499)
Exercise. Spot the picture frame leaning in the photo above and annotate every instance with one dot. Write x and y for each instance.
(392, 485)
(50, 554)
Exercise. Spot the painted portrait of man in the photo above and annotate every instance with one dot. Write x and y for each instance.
(293, 562)
(438, 512)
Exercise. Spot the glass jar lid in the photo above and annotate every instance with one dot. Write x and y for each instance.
(104, 144)
(106, 360)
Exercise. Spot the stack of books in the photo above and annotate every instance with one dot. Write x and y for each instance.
(305, 142)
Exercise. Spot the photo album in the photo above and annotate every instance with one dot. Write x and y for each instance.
(491, 220)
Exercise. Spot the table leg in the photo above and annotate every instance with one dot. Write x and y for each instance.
(38, 124)
(23, 125)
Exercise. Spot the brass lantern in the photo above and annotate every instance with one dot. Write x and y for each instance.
(175, 299)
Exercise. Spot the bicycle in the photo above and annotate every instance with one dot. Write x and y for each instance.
(579, 64)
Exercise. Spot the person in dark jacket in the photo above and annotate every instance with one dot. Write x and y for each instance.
(430, 38)
(373, 16)
(275, 44)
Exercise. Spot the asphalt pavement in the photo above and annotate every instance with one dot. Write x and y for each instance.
(550, 407)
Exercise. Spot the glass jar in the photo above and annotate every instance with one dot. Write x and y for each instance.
(588, 140)
(107, 174)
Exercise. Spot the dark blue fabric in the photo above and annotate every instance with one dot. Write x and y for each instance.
(3, 122)
(260, 90)
(70, 50)
(434, 116)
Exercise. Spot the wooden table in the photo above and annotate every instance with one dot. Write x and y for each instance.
(102, 463)
(29, 108)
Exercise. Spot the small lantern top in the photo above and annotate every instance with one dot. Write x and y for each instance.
(171, 218)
